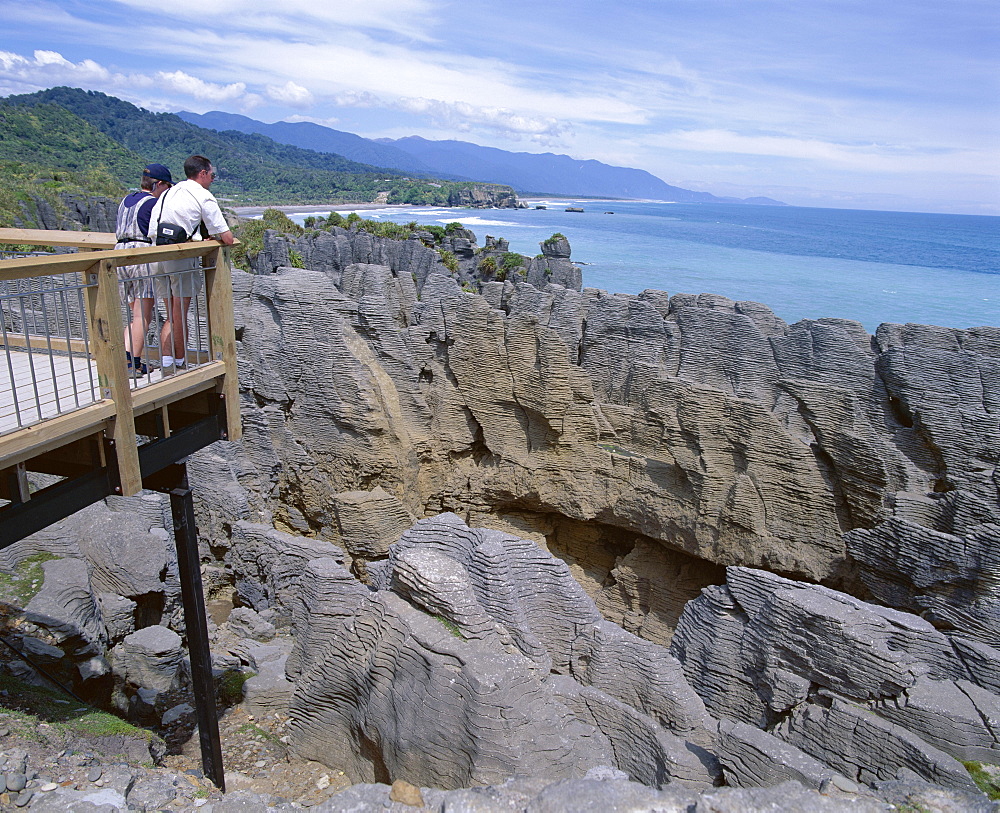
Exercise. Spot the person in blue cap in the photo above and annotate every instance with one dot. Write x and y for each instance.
(132, 231)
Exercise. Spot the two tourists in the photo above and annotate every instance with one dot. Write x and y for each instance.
(179, 213)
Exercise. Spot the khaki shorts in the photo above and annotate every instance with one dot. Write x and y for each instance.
(179, 278)
(135, 281)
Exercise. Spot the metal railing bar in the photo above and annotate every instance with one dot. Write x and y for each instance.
(10, 370)
(19, 294)
(85, 330)
(52, 360)
(199, 303)
(31, 359)
(69, 346)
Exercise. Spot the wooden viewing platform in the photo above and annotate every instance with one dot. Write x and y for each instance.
(68, 405)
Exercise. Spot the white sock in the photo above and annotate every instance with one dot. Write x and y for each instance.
(166, 361)
(179, 362)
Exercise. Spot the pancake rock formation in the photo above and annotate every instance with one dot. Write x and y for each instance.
(490, 529)
(648, 440)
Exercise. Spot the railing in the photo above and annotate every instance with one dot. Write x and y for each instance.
(62, 329)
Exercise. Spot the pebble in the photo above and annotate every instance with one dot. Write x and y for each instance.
(16, 782)
(24, 797)
(94, 774)
(48, 786)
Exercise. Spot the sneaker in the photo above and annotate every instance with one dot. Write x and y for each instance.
(167, 370)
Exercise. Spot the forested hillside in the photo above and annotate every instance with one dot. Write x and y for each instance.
(62, 130)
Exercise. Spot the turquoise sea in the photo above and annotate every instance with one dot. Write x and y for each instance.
(804, 263)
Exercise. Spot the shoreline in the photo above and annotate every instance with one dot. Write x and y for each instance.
(310, 208)
(307, 208)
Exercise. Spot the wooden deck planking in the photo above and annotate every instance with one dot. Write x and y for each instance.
(74, 386)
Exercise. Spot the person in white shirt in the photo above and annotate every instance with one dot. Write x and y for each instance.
(192, 207)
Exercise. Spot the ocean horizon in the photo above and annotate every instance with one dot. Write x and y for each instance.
(868, 266)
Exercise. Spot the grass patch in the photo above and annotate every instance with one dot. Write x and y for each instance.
(451, 627)
(449, 259)
(21, 586)
(986, 777)
(230, 686)
(251, 235)
(27, 707)
(257, 731)
(488, 266)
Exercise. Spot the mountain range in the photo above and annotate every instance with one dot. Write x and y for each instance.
(45, 134)
(527, 173)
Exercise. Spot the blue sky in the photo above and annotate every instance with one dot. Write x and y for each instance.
(854, 103)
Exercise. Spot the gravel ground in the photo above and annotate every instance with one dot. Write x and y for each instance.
(40, 762)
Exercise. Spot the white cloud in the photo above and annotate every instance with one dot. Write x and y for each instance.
(465, 117)
(331, 121)
(351, 98)
(181, 82)
(304, 18)
(290, 93)
(447, 77)
(892, 158)
(49, 68)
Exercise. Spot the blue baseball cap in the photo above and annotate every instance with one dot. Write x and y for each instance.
(158, 172)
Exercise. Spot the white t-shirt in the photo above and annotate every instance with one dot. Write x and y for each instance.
(187, 205)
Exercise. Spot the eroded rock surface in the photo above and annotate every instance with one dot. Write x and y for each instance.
(474, 657)
(866, 690)
(692, 424)
(477, 657)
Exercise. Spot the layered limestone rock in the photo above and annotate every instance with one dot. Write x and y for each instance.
(865, 690)
(635, 471)
(102, 574)
(485, 196)
(475, 658)
(68, 212)
(685, 432)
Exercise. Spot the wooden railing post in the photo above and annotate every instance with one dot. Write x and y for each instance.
(222, 335)
(108, 347)
(85, 279)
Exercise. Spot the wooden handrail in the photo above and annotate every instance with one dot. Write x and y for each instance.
(45, 237)
(24, 267)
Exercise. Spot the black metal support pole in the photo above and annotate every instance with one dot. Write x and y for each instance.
(196, 624)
